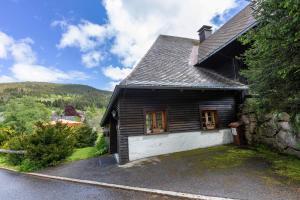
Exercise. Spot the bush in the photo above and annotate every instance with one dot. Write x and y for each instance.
(85, 136)
(15, 143)
(5, 134)
(101, 145)
(49, 144)
(27, 165)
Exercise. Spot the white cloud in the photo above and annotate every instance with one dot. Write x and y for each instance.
(28, 72)
(116, 73)
(60, 23)
(133, 26)
(136, 23)
(5, 42)
(85, 36)
(111, 85)
(25, 67)
(6, 79)
(91, 59)
(22, 52)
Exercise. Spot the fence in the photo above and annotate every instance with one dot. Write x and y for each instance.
(12, 151)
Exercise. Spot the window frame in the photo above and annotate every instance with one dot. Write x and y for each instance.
(205, 109)
(164, 119)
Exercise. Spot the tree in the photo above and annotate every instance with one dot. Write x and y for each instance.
(70, 111)
(85, 136)
(49, 144)
(274, 55)
(93, 116)
(22, 113)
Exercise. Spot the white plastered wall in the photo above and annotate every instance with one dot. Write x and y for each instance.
(152, 145)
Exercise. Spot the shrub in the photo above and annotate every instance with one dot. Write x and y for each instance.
(15, 143)
(85, 136)
(27, 165)
(101, 145)
(5, 134)
(49, 144)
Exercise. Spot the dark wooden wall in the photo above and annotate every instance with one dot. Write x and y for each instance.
(227, 63)
(183, 113)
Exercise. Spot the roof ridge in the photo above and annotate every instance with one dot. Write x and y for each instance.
(179, 37)
(148, 51)
(228, 32)
(231, 19)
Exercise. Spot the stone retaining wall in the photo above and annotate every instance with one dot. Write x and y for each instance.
(273, 130)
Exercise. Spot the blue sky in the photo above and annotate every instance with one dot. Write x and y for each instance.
(94, 42)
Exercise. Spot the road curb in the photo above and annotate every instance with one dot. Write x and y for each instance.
(9, 169)
(124, 187)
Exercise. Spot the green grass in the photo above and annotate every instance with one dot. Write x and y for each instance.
(78, 154)
(230, 156)
(5, 164)
(283, 165)
(82, 153)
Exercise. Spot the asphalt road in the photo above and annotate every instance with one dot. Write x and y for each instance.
(187, 172)
(15, 186)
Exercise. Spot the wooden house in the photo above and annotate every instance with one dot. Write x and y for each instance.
(181, 95)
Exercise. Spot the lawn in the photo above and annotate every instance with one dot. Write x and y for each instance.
(230, 156)
(82, 153)
(5, 164)
(220, 157)
(78, 154)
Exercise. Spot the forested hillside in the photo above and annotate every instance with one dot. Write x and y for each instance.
(56, 95)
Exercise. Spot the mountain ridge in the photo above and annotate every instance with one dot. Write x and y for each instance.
(61, 94)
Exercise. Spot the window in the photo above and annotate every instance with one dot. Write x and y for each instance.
(155, 122)
(209, 119)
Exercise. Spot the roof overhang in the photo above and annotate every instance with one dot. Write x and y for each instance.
(227, 43)
(110, 104)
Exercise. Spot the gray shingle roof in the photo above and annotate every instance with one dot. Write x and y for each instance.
(235, 27)
(169, 63)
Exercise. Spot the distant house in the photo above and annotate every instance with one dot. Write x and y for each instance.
(182, 94)
(69, 123)
(69, 114)
(70, 111)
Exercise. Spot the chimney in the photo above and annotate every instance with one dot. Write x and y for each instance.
(204, 32)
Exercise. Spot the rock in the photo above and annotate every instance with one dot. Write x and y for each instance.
(272, 124)
(268, 141)
(286, 138)
(266, 131)
(284, 125)
(283, 117)
(280, 146)
(251, 138)
(271, 129)
(252, 118)
(268, 117)
(292, 151)
(245, 119)
(252, 127)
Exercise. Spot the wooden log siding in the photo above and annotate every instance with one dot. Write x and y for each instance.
(183, 111)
